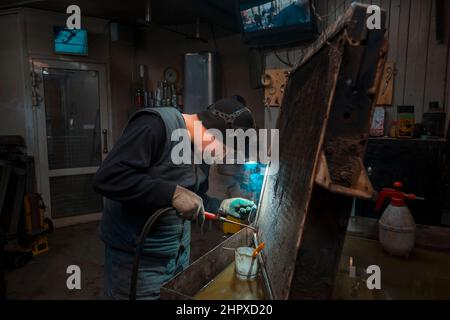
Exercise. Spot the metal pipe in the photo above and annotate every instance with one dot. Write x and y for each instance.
(263, 187)
(197, 28)
(148, 11)
(263, 269)
(187, 35)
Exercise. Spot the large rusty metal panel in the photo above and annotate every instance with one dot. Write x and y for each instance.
(324, 127)
(286, 195)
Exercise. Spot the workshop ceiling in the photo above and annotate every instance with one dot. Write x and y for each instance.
(165, 12)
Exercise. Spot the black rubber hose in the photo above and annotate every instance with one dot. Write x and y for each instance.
(140, 244)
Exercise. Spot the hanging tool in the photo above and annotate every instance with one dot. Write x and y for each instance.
(396, 226)
(212, 216)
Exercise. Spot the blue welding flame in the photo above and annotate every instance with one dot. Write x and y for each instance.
(254, 173)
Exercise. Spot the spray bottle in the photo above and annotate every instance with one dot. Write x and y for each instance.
(396, 226)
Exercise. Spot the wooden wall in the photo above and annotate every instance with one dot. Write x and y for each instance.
(422, 63)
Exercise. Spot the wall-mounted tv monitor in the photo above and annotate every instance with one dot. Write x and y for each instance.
(277, 23)
(73, 41)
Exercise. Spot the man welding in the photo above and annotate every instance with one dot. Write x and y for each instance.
(138, 177)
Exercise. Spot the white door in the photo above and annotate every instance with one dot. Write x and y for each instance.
(72, 130)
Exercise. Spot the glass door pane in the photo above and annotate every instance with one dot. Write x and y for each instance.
(73, 137)
(72, 107)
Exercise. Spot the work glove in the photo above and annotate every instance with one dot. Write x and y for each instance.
(188, 204)
(237, 207)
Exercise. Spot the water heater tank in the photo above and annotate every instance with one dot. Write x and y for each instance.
(201, 81)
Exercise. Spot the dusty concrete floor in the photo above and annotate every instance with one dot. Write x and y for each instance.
(44, 277)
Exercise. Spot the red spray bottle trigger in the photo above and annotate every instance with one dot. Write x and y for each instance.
(397, 197)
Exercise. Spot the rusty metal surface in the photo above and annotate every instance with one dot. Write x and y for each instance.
(287, 194)
(326, 110)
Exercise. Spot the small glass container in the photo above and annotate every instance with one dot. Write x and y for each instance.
(246, 265)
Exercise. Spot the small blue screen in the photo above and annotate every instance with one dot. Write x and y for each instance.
(71, 41)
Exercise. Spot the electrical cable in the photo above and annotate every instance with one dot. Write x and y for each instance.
(281, 60)
(288, 58)
(336, 9)
(140, 244)
(19, 4)
(319, 17)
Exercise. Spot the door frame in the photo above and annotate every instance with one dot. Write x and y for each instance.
(43, 173)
